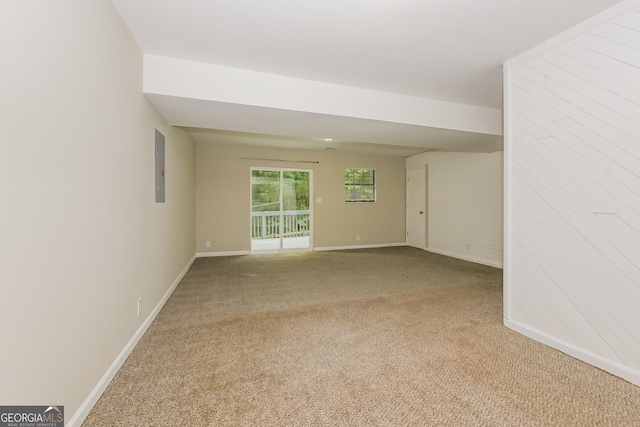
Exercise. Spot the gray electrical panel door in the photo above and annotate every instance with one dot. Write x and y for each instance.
(159, 167)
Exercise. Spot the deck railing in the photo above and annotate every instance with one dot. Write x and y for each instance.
(266, 225)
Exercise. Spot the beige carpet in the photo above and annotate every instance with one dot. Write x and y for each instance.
(386, 337)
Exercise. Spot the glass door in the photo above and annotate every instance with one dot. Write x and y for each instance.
(280, 209)
(265, 209)
(295, 209)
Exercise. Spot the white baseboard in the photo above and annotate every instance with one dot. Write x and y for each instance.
(97, 391)
(466, 258)
(328, 248)
(615, 368)
(214, 254)
(340, 248)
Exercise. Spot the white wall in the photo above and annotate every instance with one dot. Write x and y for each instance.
(208, 82)
(572, 270)
(465, 204)
(81, 237)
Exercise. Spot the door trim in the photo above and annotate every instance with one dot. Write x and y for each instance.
(425, 204)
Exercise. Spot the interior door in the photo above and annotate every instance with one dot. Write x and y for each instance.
(280, 209)
(417, 207)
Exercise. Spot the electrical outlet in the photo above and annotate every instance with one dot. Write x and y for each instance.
(139, 306)
(208, 243)
(357, 237)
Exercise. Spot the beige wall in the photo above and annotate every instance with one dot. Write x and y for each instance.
(81, 237)
(223, 197)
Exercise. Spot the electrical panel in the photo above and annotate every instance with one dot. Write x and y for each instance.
(159, 150)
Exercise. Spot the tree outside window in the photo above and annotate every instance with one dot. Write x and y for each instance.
(359, 185)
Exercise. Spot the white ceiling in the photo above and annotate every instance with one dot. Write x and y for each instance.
(449, 50)
(265, 140)
(310, 129)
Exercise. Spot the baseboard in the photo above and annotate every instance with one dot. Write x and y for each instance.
(466, 258)
(214, 254)
(328, 248)
(340, 248)
(615, 368)
(97, 391)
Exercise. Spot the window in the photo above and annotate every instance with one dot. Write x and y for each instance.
(359, 185)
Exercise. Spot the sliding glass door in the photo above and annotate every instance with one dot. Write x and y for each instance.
(280, 209)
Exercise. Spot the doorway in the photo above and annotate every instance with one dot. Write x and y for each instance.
(281, 212)
(417, 215)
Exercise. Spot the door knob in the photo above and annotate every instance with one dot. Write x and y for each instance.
(421, 212)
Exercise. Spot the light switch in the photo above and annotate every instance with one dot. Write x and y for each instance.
(318, 199)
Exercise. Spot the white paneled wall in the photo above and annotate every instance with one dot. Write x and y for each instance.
(465, 204)
(572, 264)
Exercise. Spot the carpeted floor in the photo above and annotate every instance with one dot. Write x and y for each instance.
(386, 337)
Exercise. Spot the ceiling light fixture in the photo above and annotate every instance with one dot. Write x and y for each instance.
(328, 140)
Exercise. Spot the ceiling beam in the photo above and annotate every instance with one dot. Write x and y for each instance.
(208, 82)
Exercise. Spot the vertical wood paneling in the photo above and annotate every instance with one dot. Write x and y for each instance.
(573, 217)
(465, 204)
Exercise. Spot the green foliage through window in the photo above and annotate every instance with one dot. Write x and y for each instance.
(265, 189)
(359, 185)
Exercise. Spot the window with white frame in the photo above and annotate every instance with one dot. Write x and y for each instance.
(359, 185)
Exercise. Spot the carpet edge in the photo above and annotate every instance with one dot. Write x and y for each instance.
(111, 372)
(626, 373)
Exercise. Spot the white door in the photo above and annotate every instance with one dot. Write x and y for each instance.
(417, 207)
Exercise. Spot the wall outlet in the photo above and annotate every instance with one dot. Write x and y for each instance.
(139, 305)
(468, 247)
(357, 237)
(208, 243)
